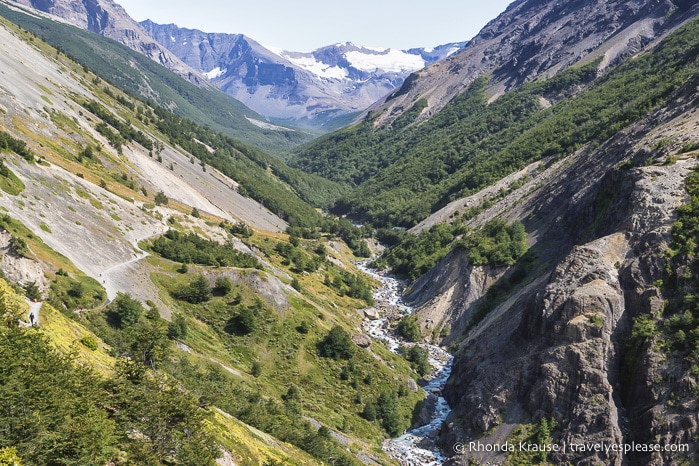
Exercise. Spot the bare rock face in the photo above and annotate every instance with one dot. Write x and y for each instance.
(20, 269)
(538, 38)
(558, 348)
(577, 315)
(447, 295)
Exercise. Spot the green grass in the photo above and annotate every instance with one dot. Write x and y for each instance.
(287, 355)
(10, 183)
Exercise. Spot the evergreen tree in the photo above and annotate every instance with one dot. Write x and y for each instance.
(31, 291)
(177, 329)
(125, 309)
(337, 344)
(161, 199)
(409, 328)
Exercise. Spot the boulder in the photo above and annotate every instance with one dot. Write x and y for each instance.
(362, 341)
(371, 313)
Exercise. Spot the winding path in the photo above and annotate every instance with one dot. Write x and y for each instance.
(112, 277)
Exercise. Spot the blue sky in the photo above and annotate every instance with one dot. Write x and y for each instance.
(305, 25)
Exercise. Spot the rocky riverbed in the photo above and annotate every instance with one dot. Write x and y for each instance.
(416, 447)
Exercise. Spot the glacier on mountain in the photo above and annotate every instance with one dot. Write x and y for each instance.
(318, 68)
(390, 61)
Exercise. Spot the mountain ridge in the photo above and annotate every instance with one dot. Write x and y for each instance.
(144, 77)
(535, 38)
(109, 19)
(296, 87)
(554, 248)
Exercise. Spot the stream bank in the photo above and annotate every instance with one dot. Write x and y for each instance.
(417, 446)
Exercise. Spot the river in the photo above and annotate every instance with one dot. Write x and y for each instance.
(417, 446)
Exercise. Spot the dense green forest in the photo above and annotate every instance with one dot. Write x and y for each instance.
(193, 249)
(405, 171)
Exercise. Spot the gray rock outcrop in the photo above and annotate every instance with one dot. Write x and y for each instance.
(363, 341)
(447, 294)
(371, 313)
(558, 346)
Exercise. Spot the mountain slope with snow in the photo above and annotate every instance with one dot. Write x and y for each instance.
(307, 88)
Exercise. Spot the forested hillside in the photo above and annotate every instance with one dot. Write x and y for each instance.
(171, 295)
(408, 170)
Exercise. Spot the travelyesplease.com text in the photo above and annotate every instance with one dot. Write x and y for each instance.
(565, 447)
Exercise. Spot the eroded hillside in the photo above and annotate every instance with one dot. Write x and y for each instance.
(578, 342)
(152, 243)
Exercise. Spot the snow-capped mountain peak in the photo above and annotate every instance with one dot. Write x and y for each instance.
(311, 87)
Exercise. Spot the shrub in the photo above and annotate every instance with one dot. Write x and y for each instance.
(192, 248)
(31, 291)
(304, 327)
(223, 286)
(418, 357)
(178, 327)
(337, 344)
(9, 457)
(409, 328)
(389, 412)
(19, 245)
(161, 199)
(245, 322)
(369, 413)
(76, 290)
(125, 309)
(496, 244)
(198, 291)
(90, 342)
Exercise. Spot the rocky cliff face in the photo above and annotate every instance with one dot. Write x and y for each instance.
(448, 294)
(109, 19)
(560, 346)
(537, 38)
(302, 87)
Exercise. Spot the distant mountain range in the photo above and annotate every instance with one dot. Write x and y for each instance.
(306, 88)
